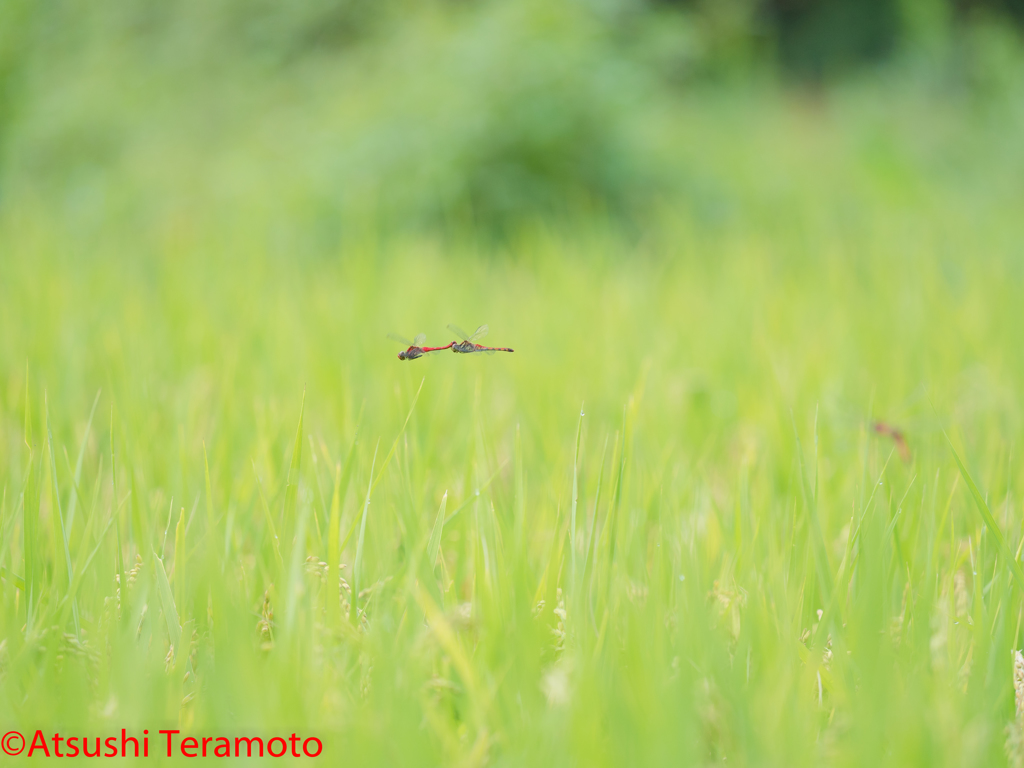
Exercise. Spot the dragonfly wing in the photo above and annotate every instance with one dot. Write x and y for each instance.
(479, 333)
(400, 339)
(458, 332)
(420, 340)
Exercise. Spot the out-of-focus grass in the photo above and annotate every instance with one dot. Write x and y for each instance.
(818, 262)
(701, 354)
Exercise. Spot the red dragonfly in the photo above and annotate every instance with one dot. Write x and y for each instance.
(888, 430)
(415, 347)
(468, 343)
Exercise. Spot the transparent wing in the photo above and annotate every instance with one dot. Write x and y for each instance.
(400, 339)
(458, 332)
(420, 340)
(479, 333)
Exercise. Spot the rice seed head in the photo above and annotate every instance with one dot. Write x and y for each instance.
(264, 626)
(317, 568)
(1018, 682)
(1014, 745)
(960, 594)
(133, 574)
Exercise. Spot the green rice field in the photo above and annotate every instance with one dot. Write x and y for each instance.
(748, 491)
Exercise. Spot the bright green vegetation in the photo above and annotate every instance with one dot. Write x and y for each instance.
(198, 402)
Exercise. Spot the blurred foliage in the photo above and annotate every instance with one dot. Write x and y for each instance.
(488, 112)
(457, 115)
(814, 36)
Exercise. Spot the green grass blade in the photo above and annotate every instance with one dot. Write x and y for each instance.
(334, 553)
(60, 517)
(33, 545)
(519, 504)
(180, 556)
(292, 489)
(575, 499)
(613, 518)
(18, 581)
(27, 433)
(83, 568)
(988, 519)
(122, 580)
(475, 495)
(398, 437)
(72, 502)
(170, 611)
(320, 503)
(434, 544)
(211, 521)
(591, 553)
(295, 572)
(5, 525)
(821, 559)
(268, 517)
(357, 566)
(833, 607)
(341, 484)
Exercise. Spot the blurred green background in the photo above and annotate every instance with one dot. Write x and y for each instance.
(738, 232)
(330, 117)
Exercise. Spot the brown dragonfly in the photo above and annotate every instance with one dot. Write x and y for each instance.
(887, 430)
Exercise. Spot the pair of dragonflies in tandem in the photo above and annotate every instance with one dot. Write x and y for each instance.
(417, 348)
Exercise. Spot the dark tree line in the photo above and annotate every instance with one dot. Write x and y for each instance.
(814, 37)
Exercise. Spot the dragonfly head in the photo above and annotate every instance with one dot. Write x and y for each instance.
(403, 355)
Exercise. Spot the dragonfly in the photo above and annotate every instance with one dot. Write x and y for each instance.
(416, 347)
(468, 343)
(887, 430)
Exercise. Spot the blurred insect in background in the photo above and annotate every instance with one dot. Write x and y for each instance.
(415, 347)
(887, 430)
(468, 343)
